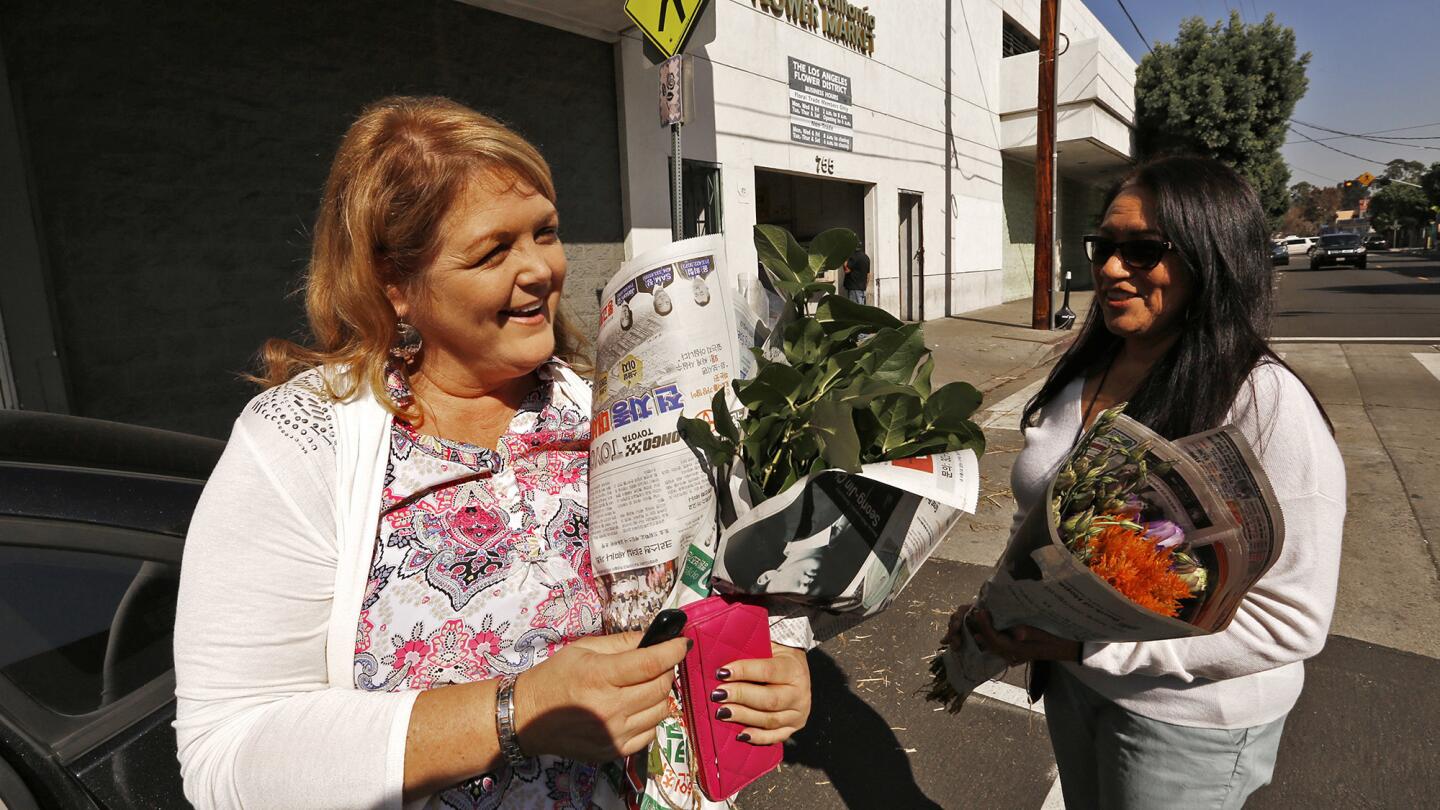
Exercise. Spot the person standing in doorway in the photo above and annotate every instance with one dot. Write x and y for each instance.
(856, 274)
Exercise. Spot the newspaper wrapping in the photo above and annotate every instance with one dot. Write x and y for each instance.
(677, 325)
(1215, 491)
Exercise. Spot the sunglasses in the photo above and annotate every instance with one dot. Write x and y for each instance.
(1142, 254)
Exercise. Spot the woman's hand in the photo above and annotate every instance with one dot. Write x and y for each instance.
(954, 631)
(768, 699)
(1019, 644)
(597, 699)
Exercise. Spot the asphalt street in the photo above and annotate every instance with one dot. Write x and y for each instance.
(1366, 732)
(1395, 296)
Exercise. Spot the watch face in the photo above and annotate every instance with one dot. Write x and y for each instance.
(663, 304)
(702, 292)
(627, 319)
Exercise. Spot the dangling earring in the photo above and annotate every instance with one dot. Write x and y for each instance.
(407, 342)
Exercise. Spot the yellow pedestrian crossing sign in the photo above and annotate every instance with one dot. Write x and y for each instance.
(667, 24)
(1365, 179)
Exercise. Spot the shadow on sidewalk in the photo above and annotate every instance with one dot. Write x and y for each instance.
(853, 745)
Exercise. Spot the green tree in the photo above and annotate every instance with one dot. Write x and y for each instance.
(1399, 207)
(1225, 92)
(1310, 207)
(1407, 170)
(1430, 182)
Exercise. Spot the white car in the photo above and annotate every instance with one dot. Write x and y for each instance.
(1300, 245)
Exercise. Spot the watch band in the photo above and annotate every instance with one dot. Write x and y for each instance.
(505, 721)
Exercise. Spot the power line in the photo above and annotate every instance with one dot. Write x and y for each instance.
(1341, 151)
(1136, 27)
(1314, 174)
(1367, 136)
(1364, 137)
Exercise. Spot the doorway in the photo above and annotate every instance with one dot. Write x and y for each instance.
(912, 256)
(806, 206)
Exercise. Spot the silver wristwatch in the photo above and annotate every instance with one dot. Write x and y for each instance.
(505, 721)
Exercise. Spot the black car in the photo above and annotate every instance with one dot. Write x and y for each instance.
(92, 522)
(1338, 248)
(1279, 253)
(1376, 242)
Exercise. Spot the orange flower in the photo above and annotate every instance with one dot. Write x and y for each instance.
(1129, 561)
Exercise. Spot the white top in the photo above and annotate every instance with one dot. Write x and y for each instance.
(1251, 672)
(274, 573)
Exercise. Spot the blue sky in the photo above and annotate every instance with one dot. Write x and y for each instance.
(1374, 65)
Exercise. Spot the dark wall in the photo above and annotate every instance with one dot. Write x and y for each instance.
(177, 151)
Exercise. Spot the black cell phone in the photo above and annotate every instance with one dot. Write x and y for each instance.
(666, 625)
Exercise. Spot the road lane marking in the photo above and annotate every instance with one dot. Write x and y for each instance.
(1055, 799)
(1430, 360)
(1006, 414)
(1355, 340)
(1010, 693)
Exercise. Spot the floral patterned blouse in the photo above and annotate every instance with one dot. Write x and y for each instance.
(481, 569)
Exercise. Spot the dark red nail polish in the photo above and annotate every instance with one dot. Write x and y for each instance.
(742, 737)
(718, 695)
(722, 674)
(722, 713)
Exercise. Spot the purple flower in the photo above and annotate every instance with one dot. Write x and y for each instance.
(1133, 505)
(1165, 533)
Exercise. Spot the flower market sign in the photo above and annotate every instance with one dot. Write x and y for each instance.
(849, 25)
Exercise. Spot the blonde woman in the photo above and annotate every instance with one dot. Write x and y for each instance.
(386, 595)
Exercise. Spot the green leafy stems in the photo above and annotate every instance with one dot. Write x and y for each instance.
(1098, 479)
(854, 385)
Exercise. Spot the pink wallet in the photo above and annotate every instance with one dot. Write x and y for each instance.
(724, 631)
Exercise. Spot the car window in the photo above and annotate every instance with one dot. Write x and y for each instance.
(1294, 241)
(79, 630)
(1339, 240)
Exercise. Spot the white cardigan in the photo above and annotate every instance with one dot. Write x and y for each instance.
(1251, 672)
(275, 567)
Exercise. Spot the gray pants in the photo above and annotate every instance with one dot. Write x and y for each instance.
(1115, 759)
(858, 296)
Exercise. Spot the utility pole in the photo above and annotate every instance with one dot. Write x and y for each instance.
(949, 168)
(1045, 167)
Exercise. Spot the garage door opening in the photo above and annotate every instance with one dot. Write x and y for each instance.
(806, 206)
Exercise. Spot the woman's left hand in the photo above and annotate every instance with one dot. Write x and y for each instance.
(1023, 643)
(768, 699)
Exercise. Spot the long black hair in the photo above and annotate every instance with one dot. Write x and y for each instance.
(1214, 219)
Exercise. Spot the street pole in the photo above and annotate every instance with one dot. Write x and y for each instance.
(677, 201)
(1045, 167)
(674, 97)
(949, 168)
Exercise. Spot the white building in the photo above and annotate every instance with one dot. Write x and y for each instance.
(946, 233)
(161, 198)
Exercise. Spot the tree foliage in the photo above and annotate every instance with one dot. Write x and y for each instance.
(1399, 206)
(1407, 170)
(1430, 183)
(1311, 207)
(1225, 92)
(850, 385)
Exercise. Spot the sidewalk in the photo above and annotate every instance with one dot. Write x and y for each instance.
(992, 347)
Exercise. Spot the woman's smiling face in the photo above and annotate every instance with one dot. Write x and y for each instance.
(1140, 304)
(487, 302)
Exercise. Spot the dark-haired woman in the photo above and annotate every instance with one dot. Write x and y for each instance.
(1178, 330)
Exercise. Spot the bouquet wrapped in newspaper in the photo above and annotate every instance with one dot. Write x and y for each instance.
(1137, 539)
(839, 468)
(753, 505)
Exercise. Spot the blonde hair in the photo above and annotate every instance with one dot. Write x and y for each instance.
(400, 167)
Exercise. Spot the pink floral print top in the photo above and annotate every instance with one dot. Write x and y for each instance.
(482, 568)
